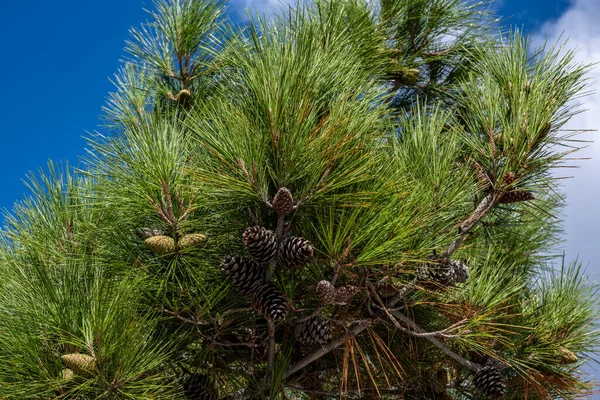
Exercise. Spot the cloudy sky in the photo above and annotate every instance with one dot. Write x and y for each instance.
(57, 58)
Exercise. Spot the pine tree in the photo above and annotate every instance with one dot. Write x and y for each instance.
(343, 200)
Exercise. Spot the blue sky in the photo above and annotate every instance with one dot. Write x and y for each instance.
(58, 57)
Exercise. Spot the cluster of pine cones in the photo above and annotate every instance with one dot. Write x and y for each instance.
(250, 276)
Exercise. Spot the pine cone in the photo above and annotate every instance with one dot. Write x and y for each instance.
(566, 356)
(489, 381)
(67, 374)
(515, 196)
(325, 292)
(283, 202)
(460, 271)
(344, 293)
(191, 240)
(509, 178)
(161, 244)
(199, 387)
(81, 364)
(261, 243)
(246, 275)
(445, 272)
(294, 252)
(315, 331)
(270, 302)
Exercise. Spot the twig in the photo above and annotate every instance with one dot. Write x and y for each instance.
(280, 225)
(435, 341)
(402, 293)
(442, 333)
(271, 354)
(182, 318)
(419, 330)
(399, 390)
(235, 310)
(486, 205)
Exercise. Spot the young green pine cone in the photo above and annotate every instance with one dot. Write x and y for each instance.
(566, 356)
(190, 240)
(325, 292)
(161, 244)
(489, 381)
(67, 374)
(315, 331)
(294, 252)
(269, 301)
(261, 243)
(246, 275)
(283, 202)
(81, 364)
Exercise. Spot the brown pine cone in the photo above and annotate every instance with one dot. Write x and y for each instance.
(325, 292)
(515, 196)
(283, 202)
(261, 243)
(343, 294)
(294, 252)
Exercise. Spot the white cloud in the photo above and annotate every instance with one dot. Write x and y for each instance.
(262, 6)
(580, 25)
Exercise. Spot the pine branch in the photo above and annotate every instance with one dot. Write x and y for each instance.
(435, 341)
(484, 207)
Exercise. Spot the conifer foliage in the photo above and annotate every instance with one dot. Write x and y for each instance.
(257, 217)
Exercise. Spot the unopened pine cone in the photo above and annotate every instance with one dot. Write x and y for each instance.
(67, 374)
(294, 252)
(261, 243)
(161, 244)
(489, 381)
(283, 202)
(315, 331)
(343, 294)
(246, 275)
(515, 196)
(269, 301)
(190, 240)
(325, 292)
(81, 364)
(566, 356)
